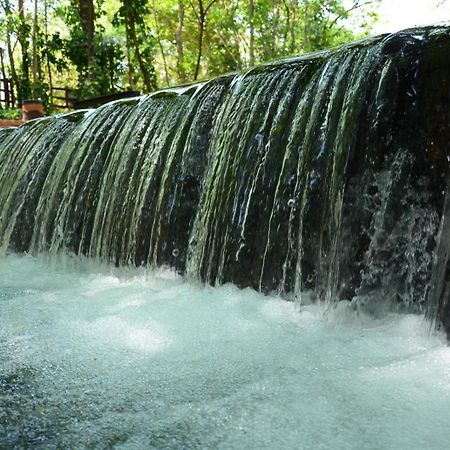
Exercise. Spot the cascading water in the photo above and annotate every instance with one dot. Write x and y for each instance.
(324, 173)
(324, 178)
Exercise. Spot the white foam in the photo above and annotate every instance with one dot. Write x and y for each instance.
(101, 357)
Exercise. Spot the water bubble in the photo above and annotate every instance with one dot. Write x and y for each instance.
(291, 202)
(175, 252)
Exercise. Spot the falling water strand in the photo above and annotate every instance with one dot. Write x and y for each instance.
(319, 177)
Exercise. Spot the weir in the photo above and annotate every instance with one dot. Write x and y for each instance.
(325, 175)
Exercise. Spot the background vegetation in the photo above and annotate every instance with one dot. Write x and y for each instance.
(102, 46)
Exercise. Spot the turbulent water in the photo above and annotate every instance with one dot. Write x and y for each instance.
(95, 357)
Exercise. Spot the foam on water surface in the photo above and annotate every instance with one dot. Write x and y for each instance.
(93, 356)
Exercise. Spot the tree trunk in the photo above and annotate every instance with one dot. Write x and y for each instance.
(201, 20)
(24, 90)
(201, 30)
(133, 37)
(15, 79)
(49, 68)
(129, 61)
(179, 40)
(35, 51)
(4, 82)
(305, 27)
(293, 22)
(275, 14)
(251, 15)
(87, 14)
(161, 48)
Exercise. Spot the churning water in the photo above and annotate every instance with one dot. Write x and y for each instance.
(92, 356)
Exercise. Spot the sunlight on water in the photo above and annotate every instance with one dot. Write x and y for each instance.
(93, 356)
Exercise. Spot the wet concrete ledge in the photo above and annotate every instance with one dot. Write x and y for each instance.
(4, 123)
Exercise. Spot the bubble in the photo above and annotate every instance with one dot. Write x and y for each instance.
(175, 252)
(291, 203)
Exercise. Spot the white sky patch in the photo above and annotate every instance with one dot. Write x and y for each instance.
(396, 15)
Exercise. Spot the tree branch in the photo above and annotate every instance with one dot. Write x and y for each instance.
(355, 6)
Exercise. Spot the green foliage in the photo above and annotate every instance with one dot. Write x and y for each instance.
(51, 51)
(131, 16)
(105, 73)
(10, 113)
(140, 44)
(101, 76)
(108, 65)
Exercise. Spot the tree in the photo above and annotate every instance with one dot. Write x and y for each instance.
(87, 15)
(10, 27)
(100, 46)
(201, 14)
(179, 40)
(23, 34)
(131, 15)
(251, 15)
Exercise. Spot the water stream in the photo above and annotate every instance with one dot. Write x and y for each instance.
(327, 172)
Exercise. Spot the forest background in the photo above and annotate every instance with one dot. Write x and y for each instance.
(96, 47)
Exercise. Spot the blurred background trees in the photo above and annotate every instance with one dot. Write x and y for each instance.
(101, 46)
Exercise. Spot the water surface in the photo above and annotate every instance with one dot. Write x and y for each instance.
(93, 356)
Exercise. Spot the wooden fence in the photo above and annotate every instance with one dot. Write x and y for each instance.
(7, 98)
(60, 97)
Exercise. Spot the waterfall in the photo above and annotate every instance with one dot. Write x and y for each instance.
(325, 175)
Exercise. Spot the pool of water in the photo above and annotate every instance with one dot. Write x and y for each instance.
(96, 357)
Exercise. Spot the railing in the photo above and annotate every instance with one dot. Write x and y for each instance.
(7, 98)
(63, 98)
(60, 97)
